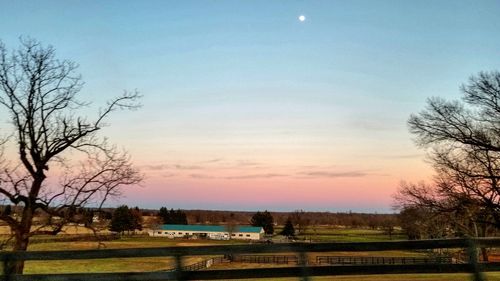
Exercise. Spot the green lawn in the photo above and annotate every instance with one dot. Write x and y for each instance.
(340, 234)
(100, 265)
(113, 265)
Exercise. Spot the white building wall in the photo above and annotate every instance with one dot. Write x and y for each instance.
(211, 235)
(246, 235)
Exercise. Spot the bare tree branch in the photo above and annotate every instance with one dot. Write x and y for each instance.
(40, 94)
(463, 138)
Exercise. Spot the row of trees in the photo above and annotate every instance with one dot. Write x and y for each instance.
(266, 221)
(172, 217)
(303, 219)
(299, 220)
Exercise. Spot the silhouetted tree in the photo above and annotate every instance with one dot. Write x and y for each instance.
(412, 221)
(136, 218)
(39, 94)
(464, 142)
(463, 137)
(288, 229)
(300, 219)
(172, 216)
(265, 220)
(122, 220)
(163, 214)
(87, 216)
(389, 226)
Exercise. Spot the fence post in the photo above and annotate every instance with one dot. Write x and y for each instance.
(303, 265)
(473, 262)
(5, 271)
(7, 259)
(179, 274)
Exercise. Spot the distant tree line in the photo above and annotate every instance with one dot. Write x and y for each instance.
(301, 218)
(297, 222)
(172, 216)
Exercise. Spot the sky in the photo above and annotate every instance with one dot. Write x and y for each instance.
(245, 107)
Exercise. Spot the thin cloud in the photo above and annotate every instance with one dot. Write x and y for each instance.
(200, 176)
(215, 160)
(158, 167)
(323, 174)
(187, 167)
(246, 163)
(255, 176)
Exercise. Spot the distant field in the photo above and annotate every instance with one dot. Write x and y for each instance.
(340, 234)
(68, 229)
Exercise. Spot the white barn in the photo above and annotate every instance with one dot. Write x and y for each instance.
(217, 232)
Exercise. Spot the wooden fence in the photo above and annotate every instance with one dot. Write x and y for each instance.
(204, 264)
(276, 259)
(303, 270)
(342, 260)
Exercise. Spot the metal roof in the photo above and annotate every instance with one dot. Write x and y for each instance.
(209, 228)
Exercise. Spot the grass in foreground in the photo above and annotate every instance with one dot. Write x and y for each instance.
(112, 264)
(154, 264)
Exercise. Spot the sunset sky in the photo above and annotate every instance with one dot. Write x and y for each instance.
(246, 107)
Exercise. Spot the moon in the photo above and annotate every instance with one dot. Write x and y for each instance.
(302, 18)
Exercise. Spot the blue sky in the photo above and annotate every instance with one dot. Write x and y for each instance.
(246, 82)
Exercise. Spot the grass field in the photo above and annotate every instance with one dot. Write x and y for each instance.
(340, 234)
(111, 265)
(68, 229)
(155, 264)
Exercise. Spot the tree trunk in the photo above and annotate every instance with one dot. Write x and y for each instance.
(21, 244)
(22, 237)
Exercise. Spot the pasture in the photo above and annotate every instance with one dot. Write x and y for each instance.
(327, 233)
(112, 265)
(330, 234)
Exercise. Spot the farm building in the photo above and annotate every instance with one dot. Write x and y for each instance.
(217, 232)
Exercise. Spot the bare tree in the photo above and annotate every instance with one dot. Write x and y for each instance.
(464, 142)
(301, 221)
(431, 211)
(49, 130)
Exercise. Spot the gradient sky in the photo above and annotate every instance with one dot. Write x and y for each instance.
(247, 108)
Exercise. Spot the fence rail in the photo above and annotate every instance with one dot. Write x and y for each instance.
(342, 260)
(203, 264)
(302, 249)
(277, 259)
